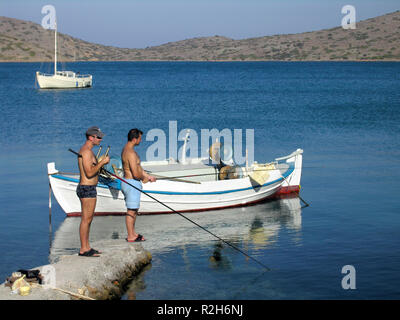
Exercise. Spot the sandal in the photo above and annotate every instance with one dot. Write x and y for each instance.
(90, 253)
(139, 238)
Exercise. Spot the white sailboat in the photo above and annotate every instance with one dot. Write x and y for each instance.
(62, 79)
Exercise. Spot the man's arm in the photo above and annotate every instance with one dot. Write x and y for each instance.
(91, 169)
(137, 170)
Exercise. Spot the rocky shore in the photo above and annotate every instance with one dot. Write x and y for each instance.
(99, 278)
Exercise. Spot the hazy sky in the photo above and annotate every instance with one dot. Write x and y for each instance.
(142, 23)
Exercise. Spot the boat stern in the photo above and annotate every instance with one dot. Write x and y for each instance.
(292, 182)
(63, 190)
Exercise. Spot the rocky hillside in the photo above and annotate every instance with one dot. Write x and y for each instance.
(374, 39)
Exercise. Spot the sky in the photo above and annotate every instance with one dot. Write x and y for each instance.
(145, 23)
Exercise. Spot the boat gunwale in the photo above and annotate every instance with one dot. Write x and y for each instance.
(284, 175)
(61, 75)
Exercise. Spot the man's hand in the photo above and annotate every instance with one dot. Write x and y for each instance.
(103, 160)
(148, 178)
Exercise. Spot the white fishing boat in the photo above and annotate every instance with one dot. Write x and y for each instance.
(62, 79)
(190, 185)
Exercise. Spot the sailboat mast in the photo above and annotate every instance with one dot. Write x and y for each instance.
(55, 49)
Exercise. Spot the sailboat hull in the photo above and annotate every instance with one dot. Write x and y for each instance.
(47, 81)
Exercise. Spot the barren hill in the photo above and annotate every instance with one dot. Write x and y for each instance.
(374, 39)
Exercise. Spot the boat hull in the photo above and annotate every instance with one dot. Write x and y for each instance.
(62, 82)
(180, 196)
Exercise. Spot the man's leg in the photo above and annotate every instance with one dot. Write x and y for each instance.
(88, 206)
(130, 224)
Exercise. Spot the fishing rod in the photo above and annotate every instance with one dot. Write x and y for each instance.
(183, 216)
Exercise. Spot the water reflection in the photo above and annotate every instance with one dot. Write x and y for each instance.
(194, 261)
(257, 226)
(254, 228)
(265, 228)
(218, 260)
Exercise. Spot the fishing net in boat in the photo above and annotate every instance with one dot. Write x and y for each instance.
(230, 172)
(261, 172)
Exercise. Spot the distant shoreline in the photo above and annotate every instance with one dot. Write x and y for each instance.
(374, 39)
(213, 61)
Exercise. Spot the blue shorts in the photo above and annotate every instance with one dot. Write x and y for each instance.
(132, 196)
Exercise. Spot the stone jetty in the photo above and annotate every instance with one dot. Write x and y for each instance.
(100, 278)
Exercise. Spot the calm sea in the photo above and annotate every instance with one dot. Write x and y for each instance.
(344, 115)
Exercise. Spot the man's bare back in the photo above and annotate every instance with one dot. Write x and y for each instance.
(131, 163)
(133, 171)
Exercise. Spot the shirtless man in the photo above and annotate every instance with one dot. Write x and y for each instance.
(134, 174)
(86, 190)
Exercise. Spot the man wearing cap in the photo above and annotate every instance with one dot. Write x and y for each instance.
(134, 174)
(89, 175)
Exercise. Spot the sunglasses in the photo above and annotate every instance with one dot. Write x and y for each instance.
(97, 137)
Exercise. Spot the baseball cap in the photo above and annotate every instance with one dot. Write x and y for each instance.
(95, 131)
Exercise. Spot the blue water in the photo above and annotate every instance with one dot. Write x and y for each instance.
(344, 115)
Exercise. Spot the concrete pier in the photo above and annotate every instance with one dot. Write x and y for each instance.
(101, 277)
